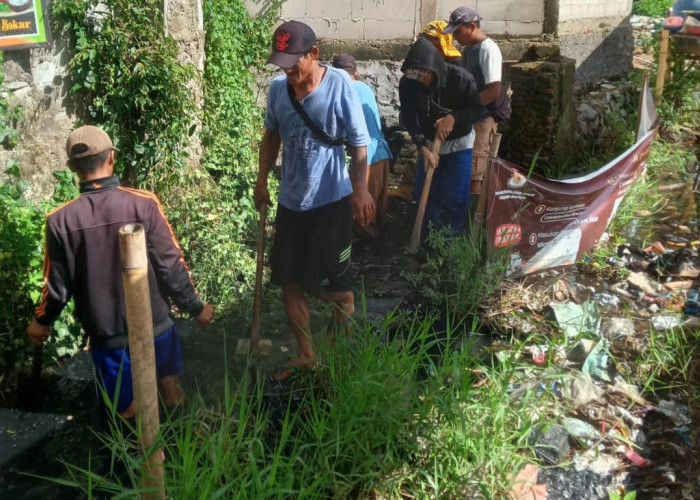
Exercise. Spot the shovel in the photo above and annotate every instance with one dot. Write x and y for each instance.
(418, 224)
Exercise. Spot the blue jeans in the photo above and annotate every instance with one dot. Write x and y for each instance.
(449, 192)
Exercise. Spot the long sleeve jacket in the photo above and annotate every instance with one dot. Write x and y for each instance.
(82, 260)
(453, 92)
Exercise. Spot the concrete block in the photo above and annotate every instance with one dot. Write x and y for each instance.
(343, 29)
(340, 9)
(379, 29)
(519, 28)
(494, 27)
(530, 10)
(294, 9)
(616, 10)
(388, 10)
(492, 11)
(44, 73)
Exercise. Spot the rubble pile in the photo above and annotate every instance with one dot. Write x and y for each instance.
(602, 431)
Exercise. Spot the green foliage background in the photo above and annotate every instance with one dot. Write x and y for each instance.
(125, 76)
(651, 8)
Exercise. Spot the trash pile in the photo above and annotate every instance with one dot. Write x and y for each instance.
(599, 437)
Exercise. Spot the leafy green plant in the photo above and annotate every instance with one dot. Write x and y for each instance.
(21, 253)
(651, 8)
(126, 73)
(629, 495)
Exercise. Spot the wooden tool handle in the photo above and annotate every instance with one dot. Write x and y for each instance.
(257, 296)
(418, 224)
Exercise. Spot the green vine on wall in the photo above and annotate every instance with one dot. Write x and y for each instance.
(125, 77)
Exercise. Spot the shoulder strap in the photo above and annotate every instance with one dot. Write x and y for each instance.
(320, 134)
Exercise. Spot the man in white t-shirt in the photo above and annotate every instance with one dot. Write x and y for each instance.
(482, 57)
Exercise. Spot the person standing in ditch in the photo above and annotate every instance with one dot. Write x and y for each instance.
(378, 153)
(317, 199)
(440, 101)
(82, 260)
(482, 57)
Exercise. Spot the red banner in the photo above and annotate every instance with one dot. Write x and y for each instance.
(548, 223)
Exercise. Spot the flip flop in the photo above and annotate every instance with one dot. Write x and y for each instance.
(286, 371)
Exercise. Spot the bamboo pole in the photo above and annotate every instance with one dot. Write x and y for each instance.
(418, 224)
(132, 245)
(663, 59)
(481, 203)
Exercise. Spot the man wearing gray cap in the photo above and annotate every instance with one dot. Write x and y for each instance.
(482, 57)
(82, 261)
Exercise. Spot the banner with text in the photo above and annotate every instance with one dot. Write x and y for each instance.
(23, 24)
(547, 223)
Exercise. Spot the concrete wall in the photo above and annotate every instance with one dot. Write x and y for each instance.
(403, 19)
(594, 33)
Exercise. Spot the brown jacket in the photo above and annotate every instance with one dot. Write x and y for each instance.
(82, 260)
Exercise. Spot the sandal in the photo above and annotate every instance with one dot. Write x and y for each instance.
(287, 370)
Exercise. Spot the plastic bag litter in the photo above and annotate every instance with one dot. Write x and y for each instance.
(665, 322)
(577, 318)
(678, 414)
(614, 328)
(607, 300)
(597, 363)
(580, 430)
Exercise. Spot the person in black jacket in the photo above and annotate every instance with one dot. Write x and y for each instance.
(440, 100)
(82, 260)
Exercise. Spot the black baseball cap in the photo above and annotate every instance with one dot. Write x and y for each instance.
(346, 62)
(462, 15)
(290, 41)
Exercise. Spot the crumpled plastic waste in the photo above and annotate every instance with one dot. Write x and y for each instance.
(614, 328)
(579, 429)
(577, 318)
(607, 300)
(678, 414)
(551, 443)
(525, 485)
(665, 322)
(597, 363)
(681, 263)
(692, 303)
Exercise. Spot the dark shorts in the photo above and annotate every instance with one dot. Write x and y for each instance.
(312, 248)
(113, 368)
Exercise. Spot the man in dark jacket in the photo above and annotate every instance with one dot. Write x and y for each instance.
(440, 100)
(82, 260)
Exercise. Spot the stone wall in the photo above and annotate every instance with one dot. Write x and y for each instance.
(37, 81)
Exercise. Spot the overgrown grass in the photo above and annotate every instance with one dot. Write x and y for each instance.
(387, 412)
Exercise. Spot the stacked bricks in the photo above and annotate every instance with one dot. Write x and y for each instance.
(542, 122)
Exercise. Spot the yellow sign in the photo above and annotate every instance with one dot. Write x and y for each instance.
(23, 24)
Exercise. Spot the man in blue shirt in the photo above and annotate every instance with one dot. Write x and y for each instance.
(318, 199)
(378, 152)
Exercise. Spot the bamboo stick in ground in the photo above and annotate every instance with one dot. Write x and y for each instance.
(132, 245)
